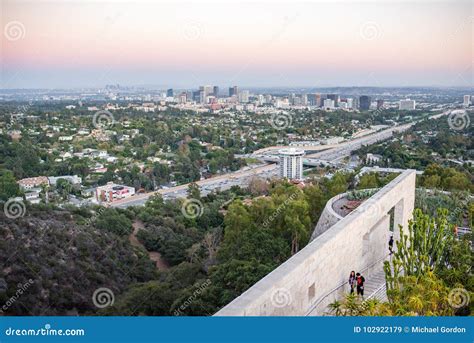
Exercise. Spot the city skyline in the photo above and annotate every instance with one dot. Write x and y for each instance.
(54, 44)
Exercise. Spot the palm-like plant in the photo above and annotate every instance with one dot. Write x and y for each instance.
(335, 308)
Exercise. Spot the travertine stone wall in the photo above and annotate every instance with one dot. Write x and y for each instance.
(328, 218)
(352, 243)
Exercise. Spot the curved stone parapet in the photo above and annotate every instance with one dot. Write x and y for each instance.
(328, 218)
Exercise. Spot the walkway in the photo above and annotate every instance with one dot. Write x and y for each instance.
(375, 288)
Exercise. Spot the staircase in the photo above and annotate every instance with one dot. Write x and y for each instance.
(375, 287)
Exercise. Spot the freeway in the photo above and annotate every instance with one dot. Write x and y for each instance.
(328, 155)
(223, 182)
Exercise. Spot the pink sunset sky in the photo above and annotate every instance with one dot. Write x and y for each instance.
(255, 43)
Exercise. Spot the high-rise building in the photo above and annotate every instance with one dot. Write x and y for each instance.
(407, 104)
(292, 98)
(206, 89)
(233, 91)
(350, 103)
(202, 97)
(334, 97)
(467, 100)
(343, 104)
(291, 163)
(244, 96)
(329, 104)
(169, 93)
(304, 99)
(268, 99)
(215, 91)
(182, 98)
(364, 103)
(318, 100)
(196, 96)
(355, 103)
(379, 103)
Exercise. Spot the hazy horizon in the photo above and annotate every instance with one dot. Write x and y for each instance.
(183, 44)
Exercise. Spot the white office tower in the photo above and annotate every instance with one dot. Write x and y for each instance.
(407, 104)
(244, 96)
(304, 100)
(291, 163)
(467, 100)
(328, 104)
(350, 103)
(206, 89)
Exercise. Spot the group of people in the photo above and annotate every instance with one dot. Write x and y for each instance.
(356, 281)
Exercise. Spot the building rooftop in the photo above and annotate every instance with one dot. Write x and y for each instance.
(291, 151)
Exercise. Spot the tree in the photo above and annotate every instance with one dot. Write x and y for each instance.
(424, 295)
(8, 186)
(111, 220)
(369, 180)
(316, 200)
(193, 191)
(64, 187)
(258, 186)
(152, 298)
(211, 243)
(423, 249)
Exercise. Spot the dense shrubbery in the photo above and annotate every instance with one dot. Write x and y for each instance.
(212, 258)
(67, 263)
(256, 238)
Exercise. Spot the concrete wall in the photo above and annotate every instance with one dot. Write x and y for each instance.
(352, 243)
(328, 218)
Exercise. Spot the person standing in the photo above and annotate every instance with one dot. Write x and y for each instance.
(360, 284)
(352, 281)
(390, 245)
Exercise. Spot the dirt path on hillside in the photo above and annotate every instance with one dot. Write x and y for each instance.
(153, 255)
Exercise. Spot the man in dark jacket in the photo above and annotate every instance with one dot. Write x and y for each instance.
(360, 284)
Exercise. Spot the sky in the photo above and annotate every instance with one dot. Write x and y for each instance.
(184, 44)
